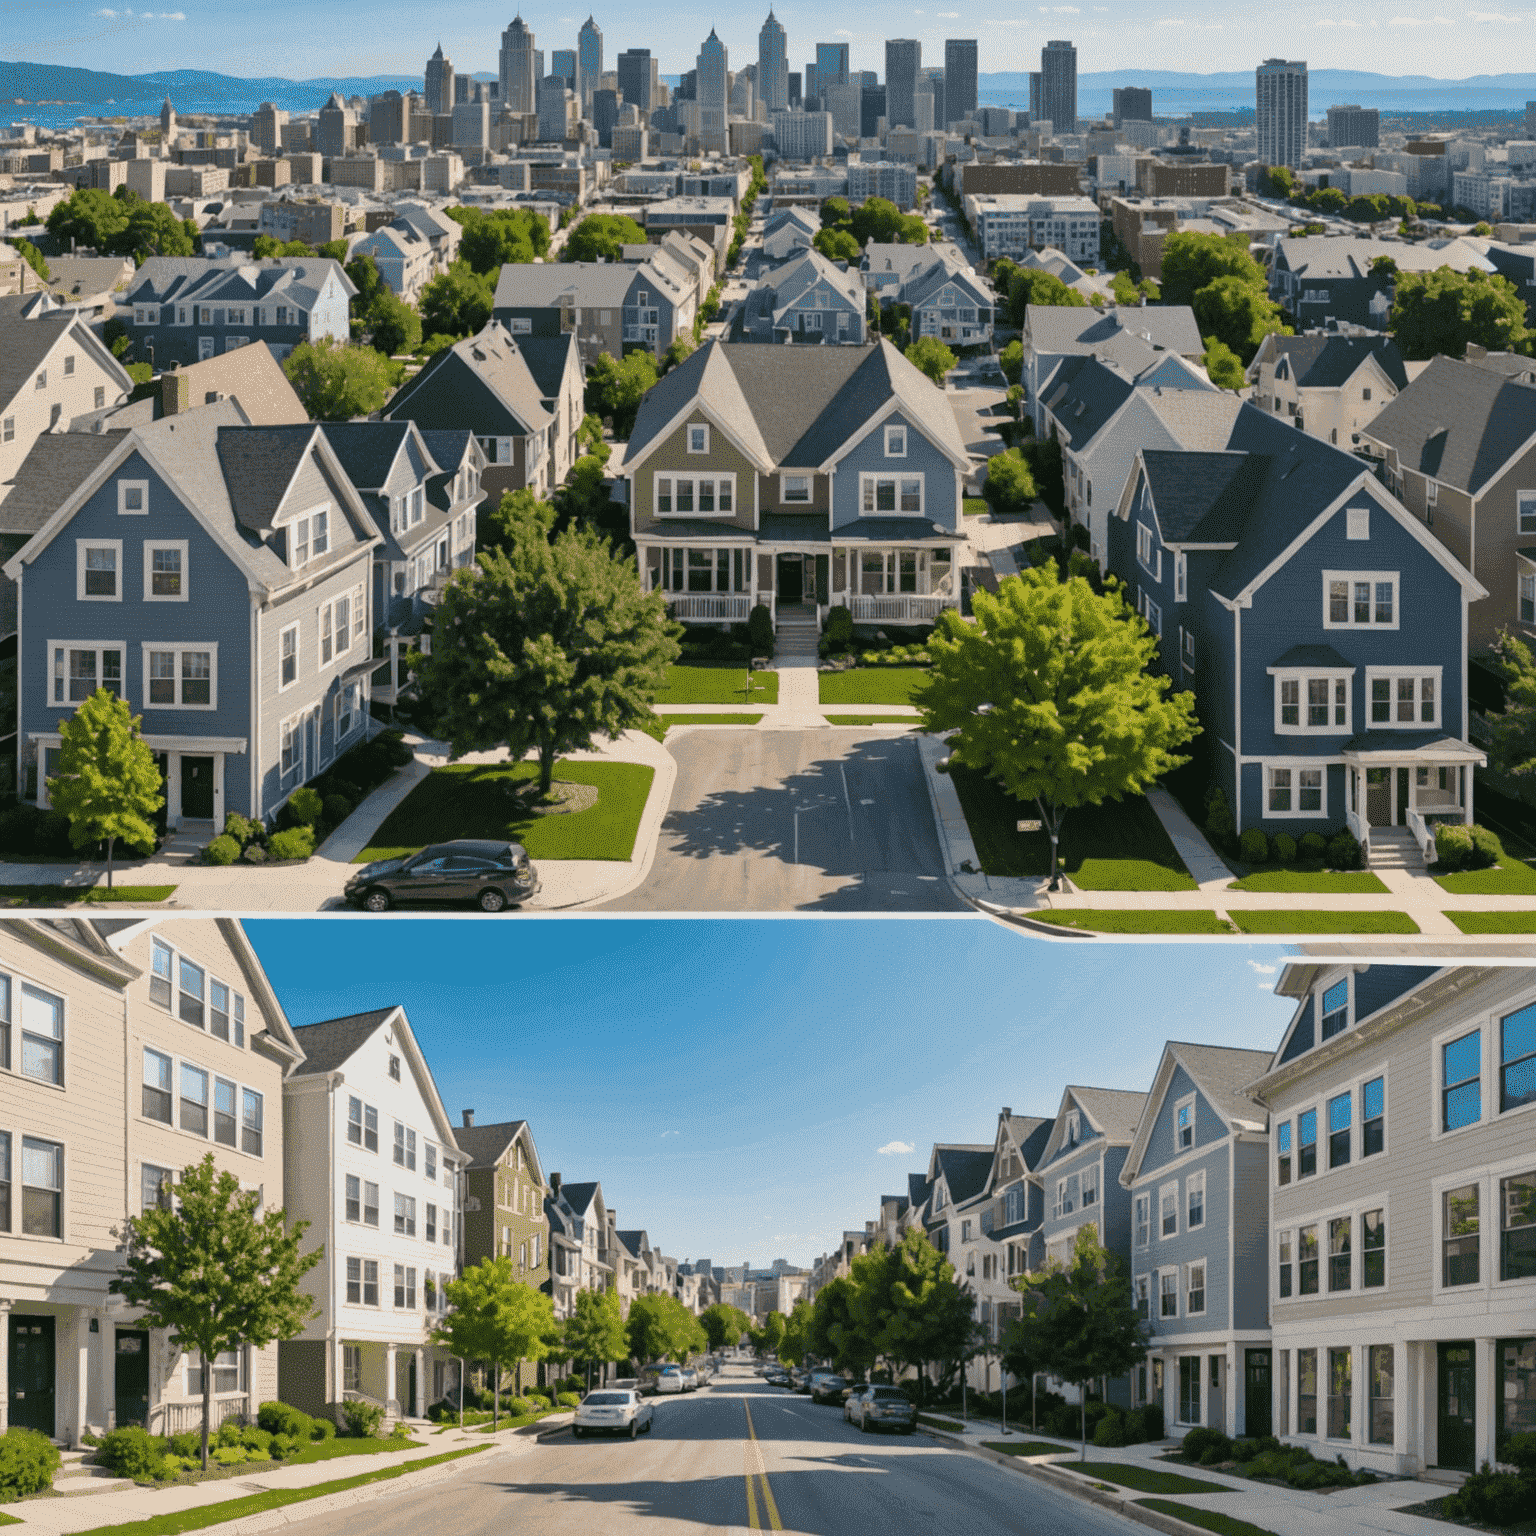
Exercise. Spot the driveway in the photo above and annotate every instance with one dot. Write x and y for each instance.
(832, 820)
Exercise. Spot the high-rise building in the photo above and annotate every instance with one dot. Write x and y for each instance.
(903, 60)
(267, 124)
(520, 71)
(1530, 119)
(439, 81)
(589, 63)
(922, 108)
(1280, 116)
(605, 115)
(637, 72)
(773, 65)
(386, 118)
(1058, 86)
(1133, 104)
(1354, 125)
(812, 85)
(794, 88)
(557, 109)
(803, 135)
(1035, 109)
(562, 62)
(871, 110)
(932, 80)
(831, 65)
(845, 103)
(959, 79)
(333, 127)
(714, 91)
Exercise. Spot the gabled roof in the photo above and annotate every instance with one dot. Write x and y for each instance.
(1347, 256)
(544, 285)
(1202, 498)
(295, 280)
(25, 343)
(1085, 393)
(798, 277)
(546, 358)
(963, 1168)
(1062, 329)
(1220, 1072)
(452, 389)
(368, 450)
(486, 1145)
(1459, 423)
(1111, 1113)
(791, 214)
(1327, 362)
(55, 466)
(939, 274)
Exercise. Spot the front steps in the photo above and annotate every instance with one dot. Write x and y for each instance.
(1395, 848)
(797, 635)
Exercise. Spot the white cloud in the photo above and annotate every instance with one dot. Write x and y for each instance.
(665, 1134)
(896, 1149)
(842, 32)
(108, 14)
(1328, 21)
(1261, 970)
(1422, 21)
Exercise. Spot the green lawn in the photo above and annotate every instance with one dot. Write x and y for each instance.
(258, 1503)
(520, 1422)
(1028, 1448)
(1117, 846)
(473, 800)
(974, 506)
(130, 893)
(871, 685)
(1494, 922)
(1127, 920)
(911, 720)
(1142, 1479)
(717, 683)
(726, 719)
(1272, 920)
(1206, 1519)
(1333, 882)
(72, 895)
(1508, 878)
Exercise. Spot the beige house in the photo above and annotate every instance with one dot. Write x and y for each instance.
(1330, 385)
(127, 1052)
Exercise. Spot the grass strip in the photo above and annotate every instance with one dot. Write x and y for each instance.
(1509, 878)
(276, 1498)
(1028, 1448)
(1494, 922)
(911, 720)
(1272, 920)
(870, 685)
(1142, 1479)
(10, 1520)
(522, 1421)
(717, 683)
(1134, 920)
(74, 895)
(1332, 882)
(1206, 1519)
(130, 893)
(726, 719)
(974, 506)
(944, 1424)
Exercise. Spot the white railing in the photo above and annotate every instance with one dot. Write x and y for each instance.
(187, 1418)
(717, 608)
(1423, 834)
(1360, 829)
(904, 609)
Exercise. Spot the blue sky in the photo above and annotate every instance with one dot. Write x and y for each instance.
(302, 39)
(732, 1083)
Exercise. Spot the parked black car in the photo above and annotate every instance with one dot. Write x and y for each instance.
(827, 1389)
(493, 875)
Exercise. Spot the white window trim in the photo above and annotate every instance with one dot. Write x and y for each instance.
(1488, 1076)
(293, 726)
(293, 628)
(798, 501)
(1188, 1099)
(122, 487)
(81, 546)
(1147, 1196)
(722, 477)
(18, 980)
(896, 476)
(1300, 676)
(1180, 576)
(1178, 1215)
(1149, 554)
(893, 434)
(1319, 764)
(289, 524)
(150, 546)
(1190, 1182)
(1525, 504)
(176, 647)
(690, 429)
(1416, 724)
(1189, 1311)
(214, 1075)
(98, 646)
(1373, 577)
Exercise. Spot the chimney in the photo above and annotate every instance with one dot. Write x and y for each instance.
(175, 392)
(469, 1119)
(554, 1184)
(1006, 1113)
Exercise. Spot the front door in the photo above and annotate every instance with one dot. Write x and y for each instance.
(1378, 797)
(131, 1391)
(791, 583)
(408, 1402)
(1402, 797)
(197, 788)
(1458, 1412)
(30, 1387)
(1258, 1393)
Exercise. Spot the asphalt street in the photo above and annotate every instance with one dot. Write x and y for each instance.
(834, 820)
(738, 1455)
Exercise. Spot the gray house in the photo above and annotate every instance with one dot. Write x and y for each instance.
(181, 309)
(1196, 1173)
(214, 575)
(808, 300)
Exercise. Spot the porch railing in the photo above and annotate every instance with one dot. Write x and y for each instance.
(1360, 829)
(710, 607)
(1423, 834)
(898, 609)
(187, 1418)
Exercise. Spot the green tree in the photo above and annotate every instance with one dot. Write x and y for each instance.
(1276, 181)
(589, 437)
(835, 1332)
(1011, 359)
(88, 217)
(836, 245)
(336, 250)
(1009, 486)
(594, 1332)
(264, 247)
(661, 1327)
(337, 381)
(1237, 312)
(153, 230)
(393, 325)
(1223, 365)
(363, 271)
(880, 220)
(679, 352)
(930, 356)
(770, 1337)
(586, 498)
(1328, 200)
(724, 1325)
(1079, 1320)
(1074, 714)
(1513, 748)
(1193, 261)
(496, 1318)
(602, 237)
(33, 257)
(1442, 311)
(616, 386)
(494, 239)
(542, 646)
(835, 211)
(1029, 285)
(796, 1343)
(215, 1270)
(456, 302)
(107, 784)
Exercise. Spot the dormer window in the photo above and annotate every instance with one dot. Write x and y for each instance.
(308, 537)
(1334, 1009)
(895, 442)
(698, 438)
(1074, 1128)
(1184, 1125)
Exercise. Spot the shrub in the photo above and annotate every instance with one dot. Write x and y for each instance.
(304, 807)
(228, 1433)
(229, 1456)
(172, 1466)
(1254, 846)
(395, 749)
(255, 854)
(294, 843)
(283, 1446)
(363, 1419)
(52, 835)
(760, 630)
(241, 828)
(1344, 850)
(1218, 818)
(258, 1455)
(337, 809)
(322, 1429)
(1145, 1423)
(1314, 846)
(254, 1438)
(130, 1452)
(1520, 1452)
(1244, 1450)
(1493, 1498)
(28, 1461)
(839, 626)
(1207, 1446)
(188, 1444)
(222, 850)
(17, 827)
(284, 1419)
(1111, 1430)
(1453, 845)
(1487, 850)
(1285, 848)
(569, 1399)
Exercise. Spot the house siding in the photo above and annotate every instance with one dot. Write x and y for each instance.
(671, 456)
(866, 455)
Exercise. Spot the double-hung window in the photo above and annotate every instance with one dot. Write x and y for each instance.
(251, 1118)
(42, 1188)
(1517, 1227)
(405, 1287)
(1340, 1252)
(405, 1215)
(1294, 791)
(890, 495)
(226, 1372)
(1373, 1117)
(1373, 1249)
(362, 1124)
(363, 1282)
(1403, 698)
(431, 1223)
(1194, 1289)
(1461, 1086)
(158, 1096)
(1143, 1220)
(98, 570)
(288, 657)
(1334, 1009)
(1306, 1144)
(1169, 1196)
(1525, 513)
(1305, 702)
(1460, 1235)
(1339, 1129)
(405, 1146)
(225, 1094)
(1340, 1392)
(1194, 1201)
(79, 670)
(42, 1035)
(190, 992)
(165, 571)
(1168, 1293)
(795, 488)
(156, 1188)
(1148, 555)
(181, 677)
(194, 1099)
(1360, 600)
(1184, 1125)
(1306, 1260)
(895, 442)
(1517, 1059)
(1285, 1263)
(1142, 1294)
(1382, 1424)
(1283, 1152)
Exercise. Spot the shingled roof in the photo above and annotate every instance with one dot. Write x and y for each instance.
(1327, 362)
(331, 1044)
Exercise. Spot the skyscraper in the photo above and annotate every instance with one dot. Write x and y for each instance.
(605, 115)
(1354, 125)
(932, 80)
(714, 66)
(903, 59)
(812, 92)
(871, 110)
(831, 65)
(1058, 86)
(959, 79)
(589, 63)
(267, 124)
(562, 62)
(773, 65)
(1280, 115)
(439, 81)
(637, 69)
(519, 70)
(1035, 111)
(1133, 104)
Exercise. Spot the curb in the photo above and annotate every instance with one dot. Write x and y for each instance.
(1034, 925)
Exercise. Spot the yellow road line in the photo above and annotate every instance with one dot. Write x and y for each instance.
(755, 1462)
(752, 1520)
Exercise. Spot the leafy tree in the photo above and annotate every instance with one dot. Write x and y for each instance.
(337, 381)
(1079, 1320)
(33, 257)
(1384, 270)
(1238, 313)
(724, 1324)
(770, 1337)
(880, 220)
(1028, 285)
(836, 245)
(1442, 311)
(456, 302)
(1009, 486)
(589, 436)
(602, 237)
(661, 1327)
(336, 250)
(153, 230)
(545, 645)
(594, 1332)
(89, 217)
(1075, 715)
(393, 325)
(835, 211)
(1328, 200)
(214, 1272)
(680, 351)
(494, 1317)
(1368, 209)
(586, 498)
(496, 237)
(1012, 360)
(107, 784)
(835, 1333)
(364, 273)
(1276, 181)
(796, 1343)
(1513, 748)
(616, 386)
(930, 356)
(1223, 365)
(1193, 261)
(265, 246)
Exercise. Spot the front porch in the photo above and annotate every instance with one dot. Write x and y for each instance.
(1412, 783)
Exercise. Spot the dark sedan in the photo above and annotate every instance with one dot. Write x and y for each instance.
(827, 1389)
(492, 875)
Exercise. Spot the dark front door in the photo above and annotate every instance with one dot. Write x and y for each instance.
(1258, 1393)
(1458, 1414)
(31, 1374)
(791, 578)
(197, 788)
(1402, 797)
(1378, 797)
(131, 1393)
(408, 1401)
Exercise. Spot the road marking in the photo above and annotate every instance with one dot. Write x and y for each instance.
(756, 1468)
(848, 801)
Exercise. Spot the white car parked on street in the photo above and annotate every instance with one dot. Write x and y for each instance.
(608, 1412)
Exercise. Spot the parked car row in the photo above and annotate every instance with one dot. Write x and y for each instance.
(870, 1407)
(676, 1378)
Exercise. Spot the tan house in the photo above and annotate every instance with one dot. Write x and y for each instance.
(1329, 385)
(127, 1052)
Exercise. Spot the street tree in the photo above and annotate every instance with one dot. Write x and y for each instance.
(543, 645)
(660, 1328)
(1009, 486)
(1027, 286)
(770, 1337)
(107, 783)
(1442, 311)
(796, 1343)
(215, 1270)
(1079, 1320)
(835, 1333)
(724, 1324)
(616, 386)
(1011, 359)
(1072, 715)
(602, 237)
(338, 381)
(456, 302)
(1513, 748)
(1238, 314)
(495, 1318)
(1194, 261)
(931, 357)
(594, 1332)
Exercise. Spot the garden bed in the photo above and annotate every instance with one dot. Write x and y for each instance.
(721, 682)
(724, 719)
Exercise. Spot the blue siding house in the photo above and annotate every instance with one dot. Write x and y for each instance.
(1196, 1174)
(1322, 628)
